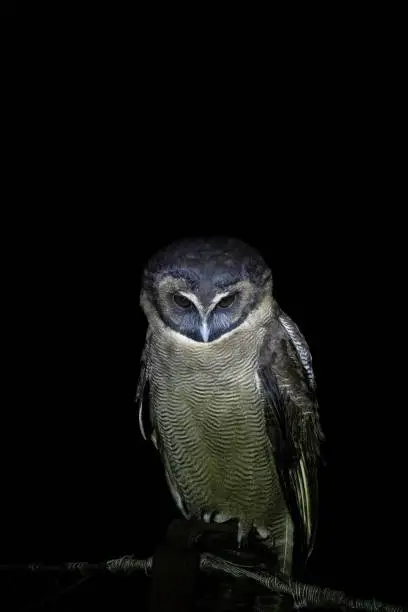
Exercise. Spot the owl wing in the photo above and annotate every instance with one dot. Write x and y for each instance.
(146, 421)
(292, 420)
(301, 346)
(142, 389)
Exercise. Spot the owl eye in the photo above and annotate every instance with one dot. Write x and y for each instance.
(227, 300)
(181, 301)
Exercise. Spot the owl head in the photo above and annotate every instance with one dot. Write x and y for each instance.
(203, 288)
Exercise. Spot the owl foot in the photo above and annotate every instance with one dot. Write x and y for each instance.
(216, 517)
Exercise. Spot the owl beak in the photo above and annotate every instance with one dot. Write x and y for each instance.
(205, 332)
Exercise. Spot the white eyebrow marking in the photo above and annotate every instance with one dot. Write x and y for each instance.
(219, 297)
(194, 300)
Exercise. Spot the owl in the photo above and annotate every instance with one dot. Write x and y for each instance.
(231, 394)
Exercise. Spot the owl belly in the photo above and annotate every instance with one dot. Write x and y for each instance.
(209, 415)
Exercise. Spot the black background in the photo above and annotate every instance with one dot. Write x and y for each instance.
(8, 8)
(312, 180)
(90, 489)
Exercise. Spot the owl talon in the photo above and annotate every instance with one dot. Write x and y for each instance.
(207, 517)
(243, 532)
(221, 517)
(261, 532)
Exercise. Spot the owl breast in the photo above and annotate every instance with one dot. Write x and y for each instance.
(208, 411)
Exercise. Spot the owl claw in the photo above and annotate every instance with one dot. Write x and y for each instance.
(242, 533)
(207, 517)
(220, 517)
(215, 517)
(262, 532)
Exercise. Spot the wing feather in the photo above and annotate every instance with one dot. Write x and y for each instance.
(142, 387)
(292, 418)
(146, 421)
(300, 344)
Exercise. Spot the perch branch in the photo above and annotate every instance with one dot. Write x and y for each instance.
(304, 595)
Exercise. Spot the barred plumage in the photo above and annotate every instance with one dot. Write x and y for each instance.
(231, 392)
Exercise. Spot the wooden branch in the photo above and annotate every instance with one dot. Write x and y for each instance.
(304, 595)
